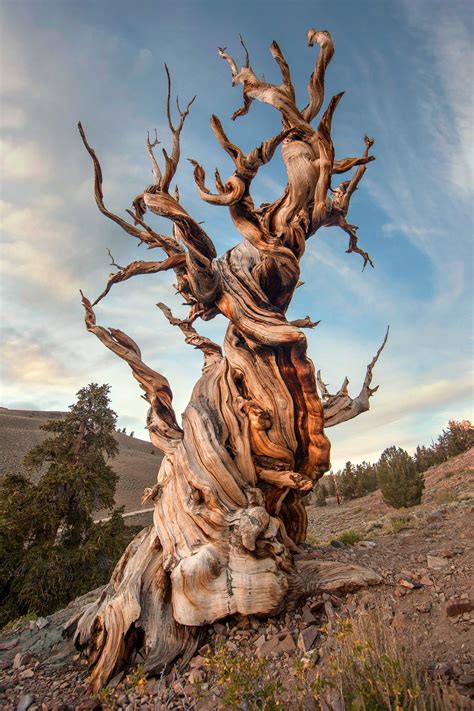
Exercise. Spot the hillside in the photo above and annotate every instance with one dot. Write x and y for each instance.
(447, 483)
(423, 611)
(136, 464)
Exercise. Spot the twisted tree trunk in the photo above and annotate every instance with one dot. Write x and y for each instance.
(228, 510)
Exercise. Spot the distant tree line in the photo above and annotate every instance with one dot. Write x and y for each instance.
(396, 473)
(51, 550)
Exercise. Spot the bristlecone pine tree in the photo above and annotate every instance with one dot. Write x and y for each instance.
(228, 515)
(50, 549)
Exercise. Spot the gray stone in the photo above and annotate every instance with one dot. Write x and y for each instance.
(25, 702)
(307, 615)
(435, 562)
(8, 644)
(42, 622)
(195, 676)
(17, 660)
(307, 637)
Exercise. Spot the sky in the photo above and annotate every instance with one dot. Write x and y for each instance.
(406, 67)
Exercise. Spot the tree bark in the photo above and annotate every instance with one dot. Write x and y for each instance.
(228, 503)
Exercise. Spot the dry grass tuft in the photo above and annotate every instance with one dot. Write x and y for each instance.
(372, 668)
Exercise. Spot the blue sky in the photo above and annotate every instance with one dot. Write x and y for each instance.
(406, 68)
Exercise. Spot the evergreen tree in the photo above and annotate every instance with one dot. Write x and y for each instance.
(50, 548)
(456, 439)
(78, 480)
(348, 482)
(319, 495)
(426, 457)
(330, 484)
(400, 482)
(366, 479)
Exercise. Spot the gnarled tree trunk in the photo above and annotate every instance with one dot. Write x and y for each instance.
(228, 509)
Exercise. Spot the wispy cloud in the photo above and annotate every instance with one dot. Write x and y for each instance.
(24, 160)
(11, 116)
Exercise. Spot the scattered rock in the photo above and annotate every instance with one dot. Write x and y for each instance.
(307, 637)
(277, 644)
(8, 644)
(307, 615)
(409, 583)
(195, 676)
(435, 562)
(17, 661)
(426, 580)
(25, 702)
(425, 607)
(42, 622)
(459, 606)
(337, 544)
(366, 544)
(467, 680)
(27, 674)
(197, 662)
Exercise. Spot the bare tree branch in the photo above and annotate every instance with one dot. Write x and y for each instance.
(148, 235)
(212, 351)
(316, 82)
(305, 323)
(137, 268)
(155, 168)
(156, 387)
(341, 407)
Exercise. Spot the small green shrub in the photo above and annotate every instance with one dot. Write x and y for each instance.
(349, 537)
(137, 677)
(401, 524)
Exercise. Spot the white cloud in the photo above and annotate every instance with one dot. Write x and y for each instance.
(11, 116)
(14, 71)
(34, 251)
(27, 364)
(20, 160)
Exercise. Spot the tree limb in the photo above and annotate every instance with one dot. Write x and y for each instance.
(148, 235)
(165, 431)
(212, 351)
(341, 407)
(316, 82)
(305, 323)
(140, 267)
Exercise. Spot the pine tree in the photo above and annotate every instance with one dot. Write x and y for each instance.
(319, 495)
(330, 484)
(366, 478)
(456, 439)
(78, 479)
(399, 480)
(50, 548)
(348, 482)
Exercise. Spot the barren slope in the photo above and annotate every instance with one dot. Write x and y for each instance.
(136, 464)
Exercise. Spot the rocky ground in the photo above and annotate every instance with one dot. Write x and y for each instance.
(425, 556)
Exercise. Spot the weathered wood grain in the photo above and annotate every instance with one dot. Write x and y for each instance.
(228, 510)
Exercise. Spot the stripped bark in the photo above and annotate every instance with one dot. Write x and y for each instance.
(228, 503)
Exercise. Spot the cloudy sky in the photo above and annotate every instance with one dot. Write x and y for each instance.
(407, 71)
